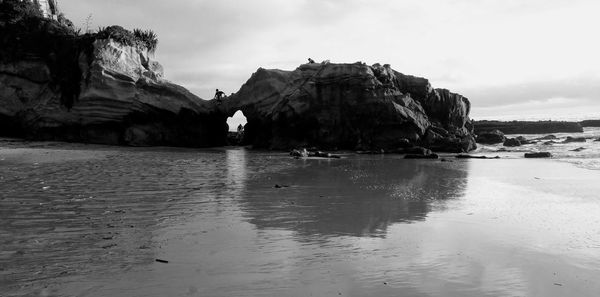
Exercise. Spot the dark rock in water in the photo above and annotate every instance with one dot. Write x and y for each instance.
(527, 127)
(475, 157)
(549, 142)
(597, 139)
(304, 153)
(578, 149)
(523, 140)
(512, 142)
(350, 106)
(538, 155)
(430, 156)
(491, 137)
(574, 139)
(548, 137)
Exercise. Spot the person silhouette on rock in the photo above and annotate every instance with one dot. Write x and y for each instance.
(219, 95)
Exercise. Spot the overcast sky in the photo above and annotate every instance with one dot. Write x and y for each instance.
(514, 59)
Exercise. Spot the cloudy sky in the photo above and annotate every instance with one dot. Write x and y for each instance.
(514, 59)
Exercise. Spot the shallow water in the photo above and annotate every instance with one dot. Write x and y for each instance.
(582, 154)
(91, 221)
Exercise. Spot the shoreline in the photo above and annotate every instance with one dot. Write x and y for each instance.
(213, 238)
(16, 151)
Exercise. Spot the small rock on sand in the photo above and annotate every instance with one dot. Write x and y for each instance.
(538, 155)
(430, 156)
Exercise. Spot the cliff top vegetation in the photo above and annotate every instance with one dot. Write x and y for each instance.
(21, 21)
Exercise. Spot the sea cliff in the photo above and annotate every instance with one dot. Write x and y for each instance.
(59, 85)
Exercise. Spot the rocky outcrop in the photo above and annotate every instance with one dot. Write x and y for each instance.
(518, 141)
(571, 139)
(512, 142)
(350, 106)
(491, 137)
(527, 127)
(99, 91)
(538, 155)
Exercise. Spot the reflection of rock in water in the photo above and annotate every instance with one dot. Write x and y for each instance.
(236, 168)
(353, 197)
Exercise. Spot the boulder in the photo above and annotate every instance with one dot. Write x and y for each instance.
(574, 139)
(523, 140)
(475, 157)
(548, 137)
(538, 155)
(512, 142)
(301, 153)
(491, 137)
(350, 106)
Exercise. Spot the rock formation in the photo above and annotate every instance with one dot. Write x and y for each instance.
(571, 139)
(537, 155)
(350, 106)
(491, 137)
(56, 85)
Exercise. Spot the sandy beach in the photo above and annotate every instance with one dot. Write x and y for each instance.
(93, 221)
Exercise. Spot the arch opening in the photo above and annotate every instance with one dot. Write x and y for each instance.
(236, 124)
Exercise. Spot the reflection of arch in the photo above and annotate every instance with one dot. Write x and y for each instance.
(352, 197)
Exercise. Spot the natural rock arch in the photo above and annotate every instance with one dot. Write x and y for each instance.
(350, 106)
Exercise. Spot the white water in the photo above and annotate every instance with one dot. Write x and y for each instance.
(588, 157)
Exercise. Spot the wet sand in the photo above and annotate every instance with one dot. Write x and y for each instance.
(93, 221)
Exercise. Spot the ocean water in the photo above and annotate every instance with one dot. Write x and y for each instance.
(84, 220)
(583, 154)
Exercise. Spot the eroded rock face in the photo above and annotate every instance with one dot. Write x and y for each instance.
(121, 99)
(350, 106)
